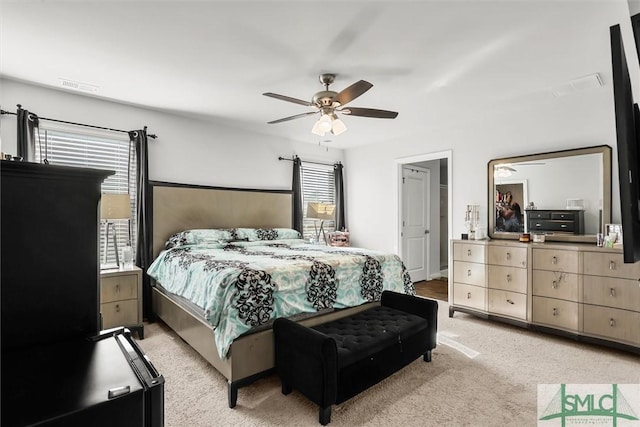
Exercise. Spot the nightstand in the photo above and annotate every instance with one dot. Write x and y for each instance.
(121, 299)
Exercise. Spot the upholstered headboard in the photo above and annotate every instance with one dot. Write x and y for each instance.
(177, 207)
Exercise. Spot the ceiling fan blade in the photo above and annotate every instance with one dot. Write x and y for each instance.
(288, 98)
(297, 116)
(370, 112)
(352, 92)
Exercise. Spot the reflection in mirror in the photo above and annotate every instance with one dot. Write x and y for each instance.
(564, 194)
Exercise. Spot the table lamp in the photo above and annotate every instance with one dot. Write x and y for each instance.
(113, 206)
(320, 211)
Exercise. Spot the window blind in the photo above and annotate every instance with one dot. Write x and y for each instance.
(111, 152)
(317, 186)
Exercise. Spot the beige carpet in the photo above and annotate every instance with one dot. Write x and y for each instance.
(497, 386)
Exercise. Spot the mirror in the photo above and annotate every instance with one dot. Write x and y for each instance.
(565, 195)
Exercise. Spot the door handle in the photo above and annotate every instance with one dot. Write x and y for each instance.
(426, 231)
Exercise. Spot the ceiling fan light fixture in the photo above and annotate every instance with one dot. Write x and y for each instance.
(316, 129)
(338, 126)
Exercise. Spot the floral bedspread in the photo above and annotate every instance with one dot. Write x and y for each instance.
(241, 285)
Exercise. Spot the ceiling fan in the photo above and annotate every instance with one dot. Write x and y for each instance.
(328, 103)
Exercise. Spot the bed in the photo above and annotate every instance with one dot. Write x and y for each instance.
(237, 246)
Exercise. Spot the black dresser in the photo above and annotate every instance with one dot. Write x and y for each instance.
(57, 367)
(555, 221)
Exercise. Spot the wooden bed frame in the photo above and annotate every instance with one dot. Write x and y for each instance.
(177, 207)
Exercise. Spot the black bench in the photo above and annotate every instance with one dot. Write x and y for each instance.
(333, 362)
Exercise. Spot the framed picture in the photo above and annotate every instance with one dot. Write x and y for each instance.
(511, 201)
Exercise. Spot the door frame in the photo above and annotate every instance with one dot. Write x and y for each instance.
(399, 163)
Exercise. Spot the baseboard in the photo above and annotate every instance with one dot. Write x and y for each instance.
(443, 274)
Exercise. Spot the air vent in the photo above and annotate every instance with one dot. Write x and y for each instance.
(79, 86)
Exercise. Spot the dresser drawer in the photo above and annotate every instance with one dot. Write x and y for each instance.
(611, 265)
(612, 323)
(618, 293)
(507, 256)
(119, 313)
(468, 252)
(512, 304)
(120, 287)
(555, 313)
(507, 278)
(469, 273)
(555, 284)
(469, 296)
(555, 260)
(551, 225)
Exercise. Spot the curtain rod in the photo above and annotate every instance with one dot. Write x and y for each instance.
(77, 124)
(306, 161)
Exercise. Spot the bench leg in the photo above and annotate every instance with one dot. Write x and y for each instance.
(232, 393)
(325, 415)
(286, 388)
(427, 356)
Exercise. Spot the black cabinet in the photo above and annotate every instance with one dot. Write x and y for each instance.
(101, 382)
(555, 221)
(54, 371)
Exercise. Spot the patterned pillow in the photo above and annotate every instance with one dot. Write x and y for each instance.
(199, 236)
(255, 234)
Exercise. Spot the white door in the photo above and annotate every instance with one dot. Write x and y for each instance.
(415, 221)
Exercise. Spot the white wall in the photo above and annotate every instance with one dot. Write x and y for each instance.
(187, 150)
(543, 123)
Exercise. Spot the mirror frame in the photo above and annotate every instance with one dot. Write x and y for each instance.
(605, 150)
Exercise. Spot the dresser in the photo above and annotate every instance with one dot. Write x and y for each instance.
(469, 276)
(507, 280)
(121, 299)
(556, 294)
(576, 290)
(58, 369)
(555, 221)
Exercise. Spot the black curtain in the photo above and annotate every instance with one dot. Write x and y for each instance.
(296, 186)
(339, 185)
(143, 218)
(27, 123)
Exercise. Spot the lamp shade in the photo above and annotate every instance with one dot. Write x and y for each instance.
(115, 206)
(318, 210)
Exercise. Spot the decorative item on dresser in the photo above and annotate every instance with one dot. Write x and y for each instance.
(57, 368)
(121, 299)
(575, 290)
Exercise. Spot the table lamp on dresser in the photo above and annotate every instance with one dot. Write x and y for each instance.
(113, 207)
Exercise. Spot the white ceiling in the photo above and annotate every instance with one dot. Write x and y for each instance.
(433, 62)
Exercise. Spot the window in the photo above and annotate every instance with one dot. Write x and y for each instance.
(108, 150)
(318, 185)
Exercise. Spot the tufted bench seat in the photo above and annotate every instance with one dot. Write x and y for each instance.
(332, 362)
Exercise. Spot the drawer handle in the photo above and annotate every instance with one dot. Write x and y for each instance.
(468, 273)
(563, 225)
(510, 302)
(508, 277)
(554, 284)
(468, 295)
(612, 265)
(612, 292)
(468, 252)
(612, 322)
(554, 260)
(117, 308)
(118, 288)
(555, 312)
(508, 256)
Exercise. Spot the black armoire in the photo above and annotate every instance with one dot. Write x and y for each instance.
(57, 367)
